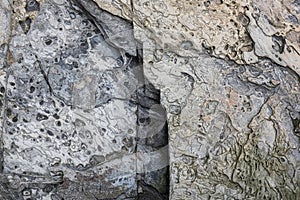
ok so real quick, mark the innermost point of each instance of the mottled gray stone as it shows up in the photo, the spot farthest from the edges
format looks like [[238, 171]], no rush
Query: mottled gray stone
[[73, 104], [99, 97]]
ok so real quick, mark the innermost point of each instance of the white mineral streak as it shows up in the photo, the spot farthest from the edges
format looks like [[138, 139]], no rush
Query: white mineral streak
[[265, 46]]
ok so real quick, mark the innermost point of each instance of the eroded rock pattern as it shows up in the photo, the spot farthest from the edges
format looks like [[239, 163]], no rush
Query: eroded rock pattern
[[232, 122], [239, 141], [98, 97], [75, 110]]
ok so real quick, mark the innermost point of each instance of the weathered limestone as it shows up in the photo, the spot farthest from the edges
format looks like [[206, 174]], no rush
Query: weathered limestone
[[98, 97], [76, 107], [232, 128]]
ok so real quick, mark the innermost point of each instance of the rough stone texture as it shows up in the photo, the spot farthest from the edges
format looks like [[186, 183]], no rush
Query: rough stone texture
[[233, 123], [232, 135], [75, 102], [99, 97]]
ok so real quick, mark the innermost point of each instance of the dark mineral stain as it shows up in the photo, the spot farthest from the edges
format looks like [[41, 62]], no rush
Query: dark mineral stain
[[40, 117], [50, 133], [32, 5]]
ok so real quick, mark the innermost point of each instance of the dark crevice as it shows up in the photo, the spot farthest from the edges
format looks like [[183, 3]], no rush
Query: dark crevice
[[147, 97], [144, 97]]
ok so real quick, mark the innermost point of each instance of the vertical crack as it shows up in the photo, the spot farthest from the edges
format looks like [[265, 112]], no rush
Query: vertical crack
[[3, 113], [152, 139], [7, 61], [45, 76]]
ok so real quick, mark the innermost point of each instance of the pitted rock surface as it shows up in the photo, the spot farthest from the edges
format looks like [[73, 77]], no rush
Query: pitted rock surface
[[119, 99], [73, 108]]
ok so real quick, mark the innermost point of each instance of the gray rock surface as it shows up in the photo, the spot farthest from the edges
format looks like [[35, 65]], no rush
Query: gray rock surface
[[76, 109], [104, 99]]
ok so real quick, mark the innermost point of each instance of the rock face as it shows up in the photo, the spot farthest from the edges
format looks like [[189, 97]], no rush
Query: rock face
[[78, 114], [149, 99]]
